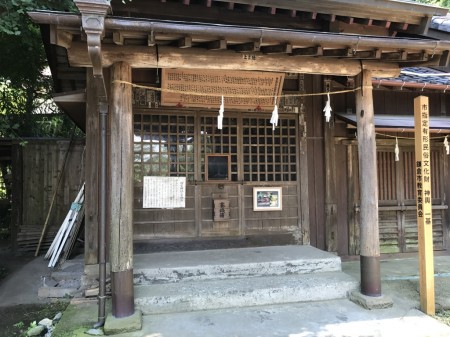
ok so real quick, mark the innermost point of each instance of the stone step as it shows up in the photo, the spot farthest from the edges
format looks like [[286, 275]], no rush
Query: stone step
[[170, 267], [242, 292]]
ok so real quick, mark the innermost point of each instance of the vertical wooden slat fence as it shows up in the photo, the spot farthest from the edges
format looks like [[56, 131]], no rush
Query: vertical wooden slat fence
[[39, 163]]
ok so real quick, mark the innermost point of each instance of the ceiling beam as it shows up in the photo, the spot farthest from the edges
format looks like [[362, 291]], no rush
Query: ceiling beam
[[195, 58]]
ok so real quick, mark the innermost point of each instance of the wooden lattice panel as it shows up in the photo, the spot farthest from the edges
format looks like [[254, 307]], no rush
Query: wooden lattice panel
[[245, 90]]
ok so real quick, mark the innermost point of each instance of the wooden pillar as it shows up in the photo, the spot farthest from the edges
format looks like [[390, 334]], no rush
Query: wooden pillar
[[369, 233], [91, 173], [352, 199], [121, 196], [302, 164], [330, 188]]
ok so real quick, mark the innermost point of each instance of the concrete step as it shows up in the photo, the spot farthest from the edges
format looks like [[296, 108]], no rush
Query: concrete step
[[170, 267], [242, 292]]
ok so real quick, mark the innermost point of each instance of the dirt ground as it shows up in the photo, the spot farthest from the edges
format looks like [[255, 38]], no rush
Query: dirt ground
[[16, 319]]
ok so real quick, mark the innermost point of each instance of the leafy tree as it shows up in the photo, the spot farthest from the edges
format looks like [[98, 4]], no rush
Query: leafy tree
[[26, 108], [440, 3]]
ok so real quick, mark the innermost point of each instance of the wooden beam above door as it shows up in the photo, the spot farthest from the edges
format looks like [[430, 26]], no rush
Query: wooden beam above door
[[172, 57]]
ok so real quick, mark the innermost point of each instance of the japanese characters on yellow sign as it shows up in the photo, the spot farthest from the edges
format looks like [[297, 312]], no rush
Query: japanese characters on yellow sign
[[424, 215], [423, 168]]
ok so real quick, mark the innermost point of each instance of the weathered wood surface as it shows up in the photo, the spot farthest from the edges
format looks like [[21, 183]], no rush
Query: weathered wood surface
[[369, 243], [121, 164], [302, 166], [40, 164], [92, 173], [171, 57], [316, 176], [331, 211], [353, 200]]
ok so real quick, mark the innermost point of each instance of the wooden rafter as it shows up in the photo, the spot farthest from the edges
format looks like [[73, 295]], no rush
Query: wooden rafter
[[185, 42], [284, 48], [309, 51], [246, 47], [217, 45]]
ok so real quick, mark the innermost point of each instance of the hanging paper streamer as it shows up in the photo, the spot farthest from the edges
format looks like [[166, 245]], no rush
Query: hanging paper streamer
[[327, 108], [447, 148], [274, 119], [220, 117], [397, 151]]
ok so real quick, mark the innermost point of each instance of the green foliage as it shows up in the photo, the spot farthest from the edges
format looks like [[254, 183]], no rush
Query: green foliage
[[13, 13], [440, 3], [26, 108], [19, 325], [443, 316]]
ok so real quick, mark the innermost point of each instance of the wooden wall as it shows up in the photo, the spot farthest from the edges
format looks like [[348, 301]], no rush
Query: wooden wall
[[36, 169], [246, 135], [397, 222]]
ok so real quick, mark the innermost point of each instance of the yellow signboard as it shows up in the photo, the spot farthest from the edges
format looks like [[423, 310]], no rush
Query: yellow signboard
[[424, 215]]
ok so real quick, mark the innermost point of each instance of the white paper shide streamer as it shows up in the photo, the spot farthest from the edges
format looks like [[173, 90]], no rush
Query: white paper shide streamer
[[327, 108], [396, 150], [220, 116], [274, 119], [447, 148]]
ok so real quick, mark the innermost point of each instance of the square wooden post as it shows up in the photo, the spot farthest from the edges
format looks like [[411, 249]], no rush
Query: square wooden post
[[424, 213]]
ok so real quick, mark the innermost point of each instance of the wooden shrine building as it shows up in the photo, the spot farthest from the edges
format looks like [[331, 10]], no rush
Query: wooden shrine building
[[205, 119]]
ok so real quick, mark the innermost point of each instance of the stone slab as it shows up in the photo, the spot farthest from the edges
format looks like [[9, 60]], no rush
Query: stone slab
[[231, 263], [56, 292], [370, 302], [244, 292], [114, 326]]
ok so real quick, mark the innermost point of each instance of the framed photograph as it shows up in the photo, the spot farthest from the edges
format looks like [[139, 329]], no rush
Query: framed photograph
[[218, 167], [267, 198]]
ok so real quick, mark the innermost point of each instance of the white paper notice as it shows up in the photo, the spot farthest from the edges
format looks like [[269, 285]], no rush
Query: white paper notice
[[164, 192]]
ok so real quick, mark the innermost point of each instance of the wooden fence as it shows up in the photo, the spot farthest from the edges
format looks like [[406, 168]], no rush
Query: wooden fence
[[43, 171]]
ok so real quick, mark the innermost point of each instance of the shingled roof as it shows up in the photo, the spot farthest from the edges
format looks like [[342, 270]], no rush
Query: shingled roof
[[418, 78], [441, 23]]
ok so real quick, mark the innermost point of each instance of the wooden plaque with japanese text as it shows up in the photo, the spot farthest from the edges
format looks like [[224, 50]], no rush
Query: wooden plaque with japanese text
[[245, 90]]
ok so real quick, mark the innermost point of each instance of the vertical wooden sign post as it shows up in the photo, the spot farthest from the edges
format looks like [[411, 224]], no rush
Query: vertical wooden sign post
[[424, 217]]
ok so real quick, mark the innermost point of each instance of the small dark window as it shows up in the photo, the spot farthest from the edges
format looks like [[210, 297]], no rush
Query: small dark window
[[218, 167]]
